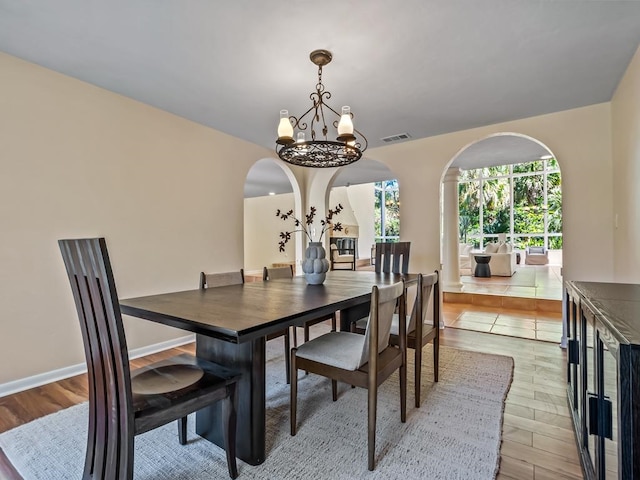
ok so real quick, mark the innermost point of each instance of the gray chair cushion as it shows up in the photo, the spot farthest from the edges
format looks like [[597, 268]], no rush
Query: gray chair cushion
[[338, 349]]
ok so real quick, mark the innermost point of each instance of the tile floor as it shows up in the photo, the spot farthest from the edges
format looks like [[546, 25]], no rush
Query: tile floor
[[535, 325], [529, 281]]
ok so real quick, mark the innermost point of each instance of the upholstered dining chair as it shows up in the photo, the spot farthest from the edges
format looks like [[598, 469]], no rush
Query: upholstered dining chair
[[392, 257], [213, 280], [364, 361], [273, 273], [123, 402], [420, 331]]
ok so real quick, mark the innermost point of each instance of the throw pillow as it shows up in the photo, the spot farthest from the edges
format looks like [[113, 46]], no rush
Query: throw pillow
[[502, 248], [537, 250], [491, 248]]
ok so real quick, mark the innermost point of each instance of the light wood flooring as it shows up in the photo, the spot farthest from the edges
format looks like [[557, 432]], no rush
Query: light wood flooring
[[538, 441]]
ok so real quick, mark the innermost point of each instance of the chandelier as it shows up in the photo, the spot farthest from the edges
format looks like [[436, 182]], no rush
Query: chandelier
[[319, 151]]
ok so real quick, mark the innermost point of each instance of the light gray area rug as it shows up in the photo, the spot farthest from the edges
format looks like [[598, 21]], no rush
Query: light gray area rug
[[455, 434]]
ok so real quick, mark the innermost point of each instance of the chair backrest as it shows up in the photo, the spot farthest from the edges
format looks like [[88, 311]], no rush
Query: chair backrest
[[383, 304], [389, 252], [420, 308], [211, 280], [94, 291], [273, 273]]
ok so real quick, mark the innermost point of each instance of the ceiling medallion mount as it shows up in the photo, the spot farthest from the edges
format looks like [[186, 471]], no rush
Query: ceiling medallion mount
[[319, 152]]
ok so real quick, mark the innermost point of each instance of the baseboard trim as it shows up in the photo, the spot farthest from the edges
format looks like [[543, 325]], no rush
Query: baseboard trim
[[33, 381]]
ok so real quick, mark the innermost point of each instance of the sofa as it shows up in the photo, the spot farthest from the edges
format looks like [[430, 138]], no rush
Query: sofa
[[503, 259]]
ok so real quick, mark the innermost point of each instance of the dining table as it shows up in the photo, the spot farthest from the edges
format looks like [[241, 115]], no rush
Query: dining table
[[231, 324]]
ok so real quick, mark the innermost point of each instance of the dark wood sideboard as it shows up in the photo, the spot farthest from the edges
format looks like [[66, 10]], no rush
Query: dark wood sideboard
[[603, 375]]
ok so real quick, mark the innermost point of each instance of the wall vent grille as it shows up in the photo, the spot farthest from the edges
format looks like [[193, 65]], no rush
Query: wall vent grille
[[396, 138]]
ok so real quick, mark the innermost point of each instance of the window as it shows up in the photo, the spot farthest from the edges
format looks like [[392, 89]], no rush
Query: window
[[523, 201], [387, 208]]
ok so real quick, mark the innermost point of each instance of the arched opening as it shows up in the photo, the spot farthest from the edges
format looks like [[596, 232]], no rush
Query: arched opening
[[502, 208], [270, 186], [369, 193]]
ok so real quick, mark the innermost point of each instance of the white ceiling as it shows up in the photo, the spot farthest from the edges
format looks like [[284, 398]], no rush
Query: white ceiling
[[424, 67]]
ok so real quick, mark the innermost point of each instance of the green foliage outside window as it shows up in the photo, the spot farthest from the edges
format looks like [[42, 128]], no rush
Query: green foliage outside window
[[485, 200], [388, 193]]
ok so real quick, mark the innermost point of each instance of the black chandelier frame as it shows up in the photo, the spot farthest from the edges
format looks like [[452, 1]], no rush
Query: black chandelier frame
[[320, 152]]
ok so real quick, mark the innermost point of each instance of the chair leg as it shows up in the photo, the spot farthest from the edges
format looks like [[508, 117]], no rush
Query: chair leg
[[436, 359], [295, 336], [182, 430], [293, 401], [403, 392], [418, 372], [229, 408], [287, 350], [372, 406]]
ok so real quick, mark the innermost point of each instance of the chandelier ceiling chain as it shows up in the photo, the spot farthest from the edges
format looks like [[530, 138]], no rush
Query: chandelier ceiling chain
[[319, 152]]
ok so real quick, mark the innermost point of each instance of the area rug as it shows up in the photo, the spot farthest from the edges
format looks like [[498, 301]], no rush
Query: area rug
[[455, 434]]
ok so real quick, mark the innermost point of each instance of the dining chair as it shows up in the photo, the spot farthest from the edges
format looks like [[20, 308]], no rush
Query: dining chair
[[212, 280], [392, 257], [272, 273], [420, 331], [123, 402], [364, 361]]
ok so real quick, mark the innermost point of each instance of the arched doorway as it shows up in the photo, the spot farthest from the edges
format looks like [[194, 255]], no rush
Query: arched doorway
[[270, 186], [503, 191]]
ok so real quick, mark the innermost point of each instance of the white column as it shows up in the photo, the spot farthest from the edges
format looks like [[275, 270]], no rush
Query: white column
[[451, 228]]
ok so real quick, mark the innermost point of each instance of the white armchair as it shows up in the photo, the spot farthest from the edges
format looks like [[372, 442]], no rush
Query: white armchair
[[463, 251], [536, 256]]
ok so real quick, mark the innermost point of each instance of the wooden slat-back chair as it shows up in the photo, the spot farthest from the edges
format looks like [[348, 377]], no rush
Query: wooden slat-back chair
[[392, 257], [364, 361], [428, 290], [272, 273], [125, 403]]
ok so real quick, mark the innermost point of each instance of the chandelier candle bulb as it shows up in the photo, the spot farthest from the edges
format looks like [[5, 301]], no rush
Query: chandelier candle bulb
[[345, 126], [285, 129]]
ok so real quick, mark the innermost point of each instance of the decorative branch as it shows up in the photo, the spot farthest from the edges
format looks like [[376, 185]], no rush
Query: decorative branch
[[305, 227]]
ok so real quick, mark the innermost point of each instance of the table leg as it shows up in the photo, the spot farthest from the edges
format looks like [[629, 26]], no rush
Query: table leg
[[353, 314], [249, 359]]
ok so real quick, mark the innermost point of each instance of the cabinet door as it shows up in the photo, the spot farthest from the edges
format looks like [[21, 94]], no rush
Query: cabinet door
[[573, 352], [610, 404], [590, 402]]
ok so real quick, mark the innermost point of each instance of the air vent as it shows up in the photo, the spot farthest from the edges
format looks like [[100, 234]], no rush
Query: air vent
[[396, 138]]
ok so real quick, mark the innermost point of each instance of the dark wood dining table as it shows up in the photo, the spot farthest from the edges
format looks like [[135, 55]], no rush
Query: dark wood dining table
[[231, 324]]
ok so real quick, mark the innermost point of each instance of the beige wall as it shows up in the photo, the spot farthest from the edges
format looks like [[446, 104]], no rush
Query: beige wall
[[625, 114], [262, 231], [581, 141], [79, 161]]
